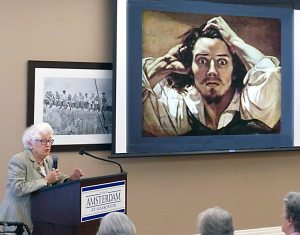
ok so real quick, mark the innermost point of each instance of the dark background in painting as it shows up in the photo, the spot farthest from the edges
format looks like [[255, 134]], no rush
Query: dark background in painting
[[161, 31]]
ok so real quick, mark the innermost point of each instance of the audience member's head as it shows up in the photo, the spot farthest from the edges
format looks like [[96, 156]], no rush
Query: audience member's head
[[215, 221], [116, 223], [290, 219]]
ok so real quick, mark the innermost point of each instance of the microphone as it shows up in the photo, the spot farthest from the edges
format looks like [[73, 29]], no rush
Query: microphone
[[82, 151], [54, 162]]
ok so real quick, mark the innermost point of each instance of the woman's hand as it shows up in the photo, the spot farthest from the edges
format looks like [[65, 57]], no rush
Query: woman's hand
[[53, 176], [76, 174]]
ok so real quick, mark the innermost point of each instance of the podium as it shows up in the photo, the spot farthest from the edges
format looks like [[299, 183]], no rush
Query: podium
[[76, 207]]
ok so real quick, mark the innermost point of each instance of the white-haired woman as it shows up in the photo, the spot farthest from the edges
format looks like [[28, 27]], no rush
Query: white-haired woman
[[29, 171], [290, 218], [116, 223], [215, 221]]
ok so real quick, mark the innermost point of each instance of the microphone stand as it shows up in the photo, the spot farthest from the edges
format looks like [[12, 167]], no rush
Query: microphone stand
[[82, 151]]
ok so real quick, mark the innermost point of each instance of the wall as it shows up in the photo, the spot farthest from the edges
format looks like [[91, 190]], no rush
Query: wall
[[165, 194]]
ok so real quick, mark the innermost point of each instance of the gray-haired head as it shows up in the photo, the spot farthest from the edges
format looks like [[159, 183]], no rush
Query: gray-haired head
[[215, 221], [34, 132], [116, 223], [292, 209]]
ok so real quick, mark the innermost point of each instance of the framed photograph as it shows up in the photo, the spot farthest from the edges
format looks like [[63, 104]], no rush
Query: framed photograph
[[75, 98], [199, 77]]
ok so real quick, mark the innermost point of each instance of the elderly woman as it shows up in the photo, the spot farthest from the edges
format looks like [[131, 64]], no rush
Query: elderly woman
[[29, 171], [290, 218], [215, 221], [116, 223]]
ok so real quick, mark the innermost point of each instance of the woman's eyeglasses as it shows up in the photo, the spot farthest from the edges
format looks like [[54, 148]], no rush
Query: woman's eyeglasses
[[44, 141]]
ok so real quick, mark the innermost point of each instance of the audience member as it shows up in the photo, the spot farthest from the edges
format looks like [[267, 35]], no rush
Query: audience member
[[290, 218], [116, 223], [215, 221]]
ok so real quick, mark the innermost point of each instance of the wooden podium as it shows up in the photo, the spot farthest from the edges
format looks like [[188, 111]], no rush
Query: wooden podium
[[76, 207]]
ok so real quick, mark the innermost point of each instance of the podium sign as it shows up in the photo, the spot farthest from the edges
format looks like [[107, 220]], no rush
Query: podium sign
[[99, 200]]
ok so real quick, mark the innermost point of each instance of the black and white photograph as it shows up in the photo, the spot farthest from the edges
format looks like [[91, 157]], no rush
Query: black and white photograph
[[75, 99]]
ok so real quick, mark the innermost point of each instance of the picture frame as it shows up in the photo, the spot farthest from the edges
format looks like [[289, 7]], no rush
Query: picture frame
[[128, 139], [75, 98]]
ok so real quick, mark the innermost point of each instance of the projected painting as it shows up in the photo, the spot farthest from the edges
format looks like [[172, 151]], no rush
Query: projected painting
[[202, 78], [212, 78]]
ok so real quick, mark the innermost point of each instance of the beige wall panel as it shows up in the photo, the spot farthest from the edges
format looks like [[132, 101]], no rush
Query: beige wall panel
[[165, 194]]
